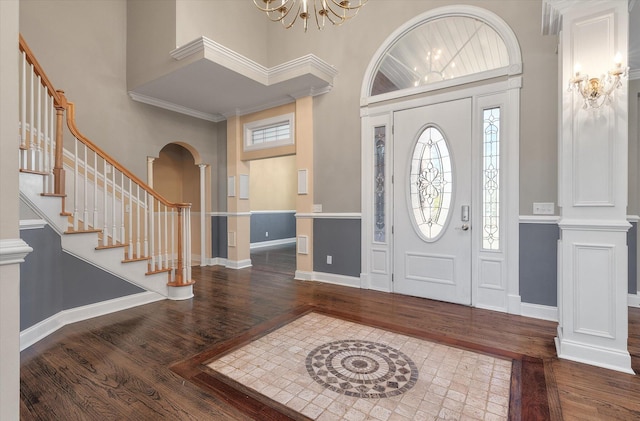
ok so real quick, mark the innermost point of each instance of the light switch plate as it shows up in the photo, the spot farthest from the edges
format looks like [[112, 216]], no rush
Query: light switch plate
[[540, 208]]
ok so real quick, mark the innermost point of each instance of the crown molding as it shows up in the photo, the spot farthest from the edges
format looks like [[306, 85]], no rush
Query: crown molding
[[216, 118], [206, 48]]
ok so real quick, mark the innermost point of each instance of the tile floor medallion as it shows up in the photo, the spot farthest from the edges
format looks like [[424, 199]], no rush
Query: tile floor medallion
[[330, 369]]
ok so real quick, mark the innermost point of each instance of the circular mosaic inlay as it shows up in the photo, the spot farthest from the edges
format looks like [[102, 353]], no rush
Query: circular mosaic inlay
[[362, 369]]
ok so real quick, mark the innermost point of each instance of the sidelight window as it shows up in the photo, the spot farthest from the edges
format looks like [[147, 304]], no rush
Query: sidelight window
[[491, 180]]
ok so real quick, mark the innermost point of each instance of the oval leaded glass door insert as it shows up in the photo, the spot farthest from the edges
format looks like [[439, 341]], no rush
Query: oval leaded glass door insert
[[431, 182]]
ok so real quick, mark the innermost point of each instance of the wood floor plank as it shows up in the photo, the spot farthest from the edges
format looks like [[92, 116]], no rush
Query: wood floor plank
[[118, 366]]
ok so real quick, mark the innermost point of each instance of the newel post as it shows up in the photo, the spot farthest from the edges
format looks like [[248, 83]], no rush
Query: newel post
[[58, 168]]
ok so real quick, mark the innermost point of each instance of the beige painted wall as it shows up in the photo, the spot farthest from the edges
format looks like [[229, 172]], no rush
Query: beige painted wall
[[88, 61], [273, 183], [235, 24], [151, 35]]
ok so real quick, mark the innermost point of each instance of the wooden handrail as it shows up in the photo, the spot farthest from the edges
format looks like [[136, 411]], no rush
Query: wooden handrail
[[31, 59], [74, 130]]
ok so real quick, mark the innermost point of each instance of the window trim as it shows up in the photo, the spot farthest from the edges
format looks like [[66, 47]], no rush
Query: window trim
[[266, 123]]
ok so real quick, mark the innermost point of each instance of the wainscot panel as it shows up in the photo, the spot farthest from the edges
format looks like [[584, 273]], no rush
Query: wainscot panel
[[52, 281], [219, 236], [538, 263], [272, 225], [340, 239]]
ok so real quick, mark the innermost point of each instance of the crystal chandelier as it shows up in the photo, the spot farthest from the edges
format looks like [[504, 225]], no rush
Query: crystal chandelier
[[287, 12], [597, 91]]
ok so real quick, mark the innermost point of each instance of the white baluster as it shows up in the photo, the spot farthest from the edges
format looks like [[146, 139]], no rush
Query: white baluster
[[166, 237], [187, 242], [23, 113], [85, 212], [174, 256], [113, 205], [32, 122], [130, 252], [151, 211], [75, 184], [158, 230], [105, 227], [45, 152], [52, 144], [146, 230], [38, 152], [123, 239], [138, 204], [95, 190]]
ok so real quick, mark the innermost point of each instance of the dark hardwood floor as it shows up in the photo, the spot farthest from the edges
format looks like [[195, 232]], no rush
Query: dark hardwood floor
[[117, 367]]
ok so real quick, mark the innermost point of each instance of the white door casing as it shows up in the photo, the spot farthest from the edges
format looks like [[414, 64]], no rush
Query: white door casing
[[434, 265], [494, 273]]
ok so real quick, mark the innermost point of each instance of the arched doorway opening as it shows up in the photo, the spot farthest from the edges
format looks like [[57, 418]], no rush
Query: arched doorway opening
[[179, 175]]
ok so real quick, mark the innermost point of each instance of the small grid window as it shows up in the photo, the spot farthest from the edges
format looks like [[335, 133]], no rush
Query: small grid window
[[276, 133], [269, 133]]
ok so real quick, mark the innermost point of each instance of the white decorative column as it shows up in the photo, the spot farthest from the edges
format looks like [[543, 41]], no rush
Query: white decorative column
[[593, 177], [150, 160], [12, 248], [203, 211]]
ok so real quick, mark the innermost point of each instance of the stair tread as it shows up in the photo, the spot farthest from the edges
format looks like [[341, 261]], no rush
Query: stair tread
[[33, 172], [153, 272], [82, 231], [136, 259], [53, 195], [110, 246]]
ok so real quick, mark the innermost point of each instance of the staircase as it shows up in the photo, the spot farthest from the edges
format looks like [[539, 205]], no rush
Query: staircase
[[104, 213]]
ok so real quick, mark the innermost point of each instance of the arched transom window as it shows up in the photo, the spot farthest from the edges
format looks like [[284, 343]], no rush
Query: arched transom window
[[440, 49]]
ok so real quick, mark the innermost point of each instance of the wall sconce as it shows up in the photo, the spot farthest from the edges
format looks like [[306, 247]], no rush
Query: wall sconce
[[597, 91]]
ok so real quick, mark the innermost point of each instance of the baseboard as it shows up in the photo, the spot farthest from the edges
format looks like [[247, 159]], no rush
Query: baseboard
[[272, 243], [329, 278], [46, 327], [538, 311], [612, 359], [238, 264], [216, 261], [634, 300]]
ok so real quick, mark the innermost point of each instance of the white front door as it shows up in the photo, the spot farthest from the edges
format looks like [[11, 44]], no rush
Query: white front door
[[432, 201]]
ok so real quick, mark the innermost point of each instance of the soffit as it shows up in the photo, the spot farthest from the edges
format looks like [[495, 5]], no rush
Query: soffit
[[216, 82]]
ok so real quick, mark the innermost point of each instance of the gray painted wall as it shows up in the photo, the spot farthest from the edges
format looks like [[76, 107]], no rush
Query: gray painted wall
[[340, 239], [538, 263], [52, 281], [279, 226], [219, 236]]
